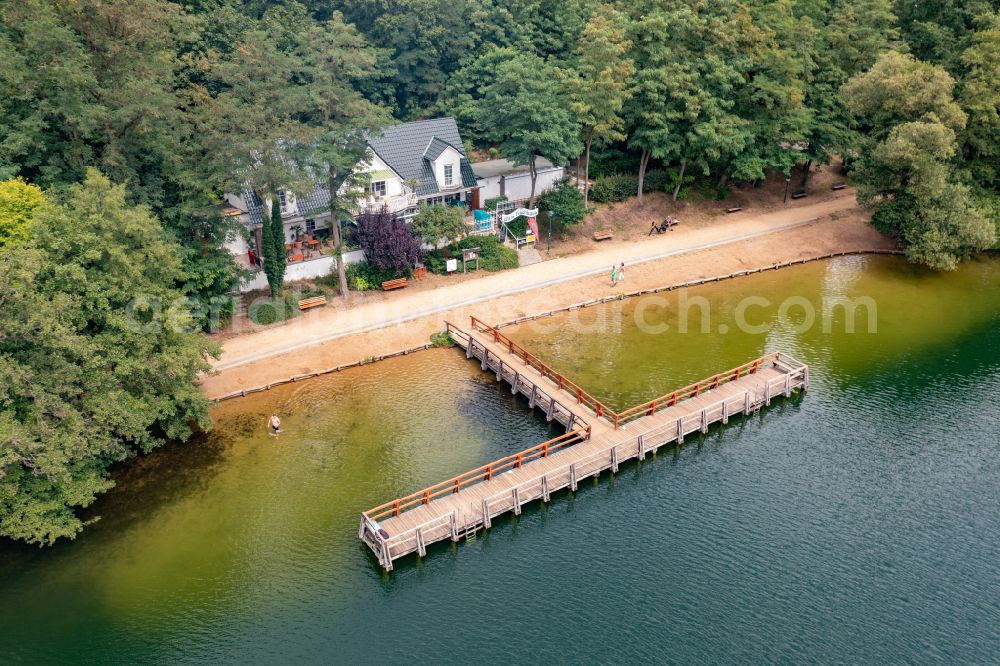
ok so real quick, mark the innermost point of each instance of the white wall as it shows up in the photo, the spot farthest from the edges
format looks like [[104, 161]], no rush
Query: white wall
[[518, 185], [302, 270], [393, 186], [454, 158]]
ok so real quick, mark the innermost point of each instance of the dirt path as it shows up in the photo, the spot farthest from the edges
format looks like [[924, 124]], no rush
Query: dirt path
[[339, 334]]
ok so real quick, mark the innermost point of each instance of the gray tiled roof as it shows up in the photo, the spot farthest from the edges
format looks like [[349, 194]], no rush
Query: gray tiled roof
[[407, 148], [435, 148]]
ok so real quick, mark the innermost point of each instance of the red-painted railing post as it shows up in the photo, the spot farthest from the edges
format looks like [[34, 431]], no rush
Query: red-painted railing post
[[489, 472], [517, 461], [427, 498], [458, 485], [395, 508]]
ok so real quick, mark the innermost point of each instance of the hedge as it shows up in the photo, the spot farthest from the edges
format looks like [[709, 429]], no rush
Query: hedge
[[622, 186]]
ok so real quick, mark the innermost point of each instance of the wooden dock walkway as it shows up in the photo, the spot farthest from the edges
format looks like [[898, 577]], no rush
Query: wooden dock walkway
[[597, 438]]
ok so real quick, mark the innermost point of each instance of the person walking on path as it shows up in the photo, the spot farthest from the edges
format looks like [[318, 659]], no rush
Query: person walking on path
[[621, 272], [614, 275]]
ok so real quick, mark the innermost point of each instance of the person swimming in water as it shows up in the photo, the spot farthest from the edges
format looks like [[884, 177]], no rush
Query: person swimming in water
[[274, 423]]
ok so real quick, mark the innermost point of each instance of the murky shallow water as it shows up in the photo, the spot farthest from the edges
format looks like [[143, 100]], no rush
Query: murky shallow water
[[859, 522]]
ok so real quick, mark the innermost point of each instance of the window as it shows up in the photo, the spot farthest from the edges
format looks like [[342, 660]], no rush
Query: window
[[378, 188], [449, 174], [287, 202], [310, 225]]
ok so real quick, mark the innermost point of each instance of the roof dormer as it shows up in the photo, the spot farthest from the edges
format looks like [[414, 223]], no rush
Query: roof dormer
[[446, 163]]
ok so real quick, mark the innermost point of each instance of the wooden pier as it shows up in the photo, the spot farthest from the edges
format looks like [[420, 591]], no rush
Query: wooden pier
[[597, 439]]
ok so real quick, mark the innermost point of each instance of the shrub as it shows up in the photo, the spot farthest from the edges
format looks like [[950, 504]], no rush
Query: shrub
[[565, 201], [615, 187], [518, 227], [364, 276], [655, 180], [266, 311], [432, 223], [491, 203], [493, 255], [388, 242]]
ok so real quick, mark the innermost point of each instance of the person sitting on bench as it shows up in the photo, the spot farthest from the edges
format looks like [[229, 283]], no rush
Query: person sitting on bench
[[667, 224]]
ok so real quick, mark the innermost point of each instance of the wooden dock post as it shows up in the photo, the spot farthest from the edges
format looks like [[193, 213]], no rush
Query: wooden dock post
[[517, 501], [421, 549], [725, 412], [386, 557], [454, 525], [486, 356], [746, 404], [534, 392], [572, 476], [680, 430], [614, 460], [570, 422], [545, 489], [486, 513], [704, 421], [805, 379], [767, 394], [551, 410], [642, 449], [468, 349], [788, 385], [513, 384], [361, 532]]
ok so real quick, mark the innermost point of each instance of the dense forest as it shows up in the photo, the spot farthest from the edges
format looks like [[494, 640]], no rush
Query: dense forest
[[122, 123]]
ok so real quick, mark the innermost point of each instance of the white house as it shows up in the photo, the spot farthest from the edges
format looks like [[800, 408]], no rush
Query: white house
[[503, 178], [408, 164]]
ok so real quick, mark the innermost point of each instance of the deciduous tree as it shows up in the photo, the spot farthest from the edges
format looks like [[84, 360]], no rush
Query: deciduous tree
[[524, 109], [96, 359], [599, 79]]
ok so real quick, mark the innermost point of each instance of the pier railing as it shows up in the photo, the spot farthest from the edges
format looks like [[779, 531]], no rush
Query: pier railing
[[694, 390], [645, 409], [582, 397], [484, 473]]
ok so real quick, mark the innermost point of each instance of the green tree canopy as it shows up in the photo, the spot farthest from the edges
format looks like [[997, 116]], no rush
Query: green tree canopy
[[96, 361], [18, 201], [599, 80], [524, 109], [436, 223], [907, 173]]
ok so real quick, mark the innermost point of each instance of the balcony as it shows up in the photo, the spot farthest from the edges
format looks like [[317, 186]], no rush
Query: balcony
[[395, 204]]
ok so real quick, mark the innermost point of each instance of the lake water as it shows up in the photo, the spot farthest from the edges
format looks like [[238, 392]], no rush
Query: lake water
[[859, 522]]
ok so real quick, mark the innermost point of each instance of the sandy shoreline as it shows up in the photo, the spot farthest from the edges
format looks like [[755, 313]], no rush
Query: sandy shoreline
[[339, 335]]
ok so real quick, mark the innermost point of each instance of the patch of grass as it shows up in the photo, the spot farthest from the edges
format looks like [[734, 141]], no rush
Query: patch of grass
[[442, 339]]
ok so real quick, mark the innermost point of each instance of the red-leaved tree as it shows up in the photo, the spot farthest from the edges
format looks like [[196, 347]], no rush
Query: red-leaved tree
[[388, 242]]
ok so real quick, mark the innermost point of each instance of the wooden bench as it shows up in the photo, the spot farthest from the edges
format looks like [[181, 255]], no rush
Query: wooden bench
[[799, 194], [734, 209], [838, 186], [314, 302], [398, 283], [603, 234]]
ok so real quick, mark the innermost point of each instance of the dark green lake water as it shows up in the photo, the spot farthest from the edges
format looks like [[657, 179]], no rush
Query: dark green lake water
[[857, 523]]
